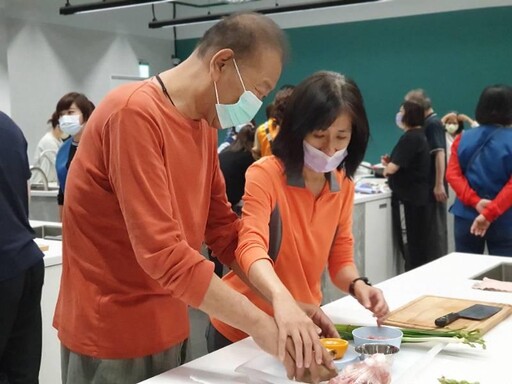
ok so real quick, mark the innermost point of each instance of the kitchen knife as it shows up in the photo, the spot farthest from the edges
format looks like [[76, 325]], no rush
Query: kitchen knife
[[475, 312]]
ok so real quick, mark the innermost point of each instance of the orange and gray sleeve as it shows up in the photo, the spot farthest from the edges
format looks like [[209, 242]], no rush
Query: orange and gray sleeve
[[342, 250], [139, 179], [253, 241]]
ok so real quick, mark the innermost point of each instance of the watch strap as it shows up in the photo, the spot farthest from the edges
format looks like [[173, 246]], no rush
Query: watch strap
[[352, 284]]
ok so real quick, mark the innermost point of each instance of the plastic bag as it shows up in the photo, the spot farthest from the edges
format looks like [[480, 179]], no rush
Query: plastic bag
[[373, 370]]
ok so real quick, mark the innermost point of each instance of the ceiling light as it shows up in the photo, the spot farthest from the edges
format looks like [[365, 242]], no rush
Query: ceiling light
[[69, 9], [267, 11]]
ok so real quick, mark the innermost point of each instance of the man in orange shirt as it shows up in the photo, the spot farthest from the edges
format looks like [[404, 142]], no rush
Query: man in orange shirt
[[143, 192]]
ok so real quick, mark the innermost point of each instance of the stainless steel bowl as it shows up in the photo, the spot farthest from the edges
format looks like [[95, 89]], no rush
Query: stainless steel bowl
[[367, 350]]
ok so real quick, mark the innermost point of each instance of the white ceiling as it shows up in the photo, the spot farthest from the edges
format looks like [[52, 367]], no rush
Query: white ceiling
[[135, 20]]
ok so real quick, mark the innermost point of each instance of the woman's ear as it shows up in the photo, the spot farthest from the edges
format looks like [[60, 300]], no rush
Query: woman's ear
[[218, 62]]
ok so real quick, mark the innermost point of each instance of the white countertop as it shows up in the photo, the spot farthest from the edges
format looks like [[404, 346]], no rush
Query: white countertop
[[54, 254], [448, 276], [53, 191], [380, 184]]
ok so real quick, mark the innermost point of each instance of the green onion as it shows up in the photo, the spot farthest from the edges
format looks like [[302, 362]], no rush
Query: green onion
[[471, 338], [444, 380]]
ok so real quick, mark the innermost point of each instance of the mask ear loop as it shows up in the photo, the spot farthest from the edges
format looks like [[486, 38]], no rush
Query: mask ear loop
[[216, 92], [239, 76]]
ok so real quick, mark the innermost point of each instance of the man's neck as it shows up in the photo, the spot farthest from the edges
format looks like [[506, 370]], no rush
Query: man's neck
[[187, 94]]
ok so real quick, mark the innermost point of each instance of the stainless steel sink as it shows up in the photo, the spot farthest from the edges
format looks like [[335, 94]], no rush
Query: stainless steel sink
[[502, 272], [49, 232]]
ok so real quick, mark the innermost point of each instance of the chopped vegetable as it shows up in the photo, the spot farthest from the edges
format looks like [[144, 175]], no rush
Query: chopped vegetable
[[444, 380], [471, 338]]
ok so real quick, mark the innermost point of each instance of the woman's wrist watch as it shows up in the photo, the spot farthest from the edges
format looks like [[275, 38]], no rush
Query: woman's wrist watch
[[353, 283]]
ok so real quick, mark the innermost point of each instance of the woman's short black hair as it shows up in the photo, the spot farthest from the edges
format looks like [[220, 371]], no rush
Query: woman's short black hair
[[314, 105], [414, 114], [81, 101], [495, 105]]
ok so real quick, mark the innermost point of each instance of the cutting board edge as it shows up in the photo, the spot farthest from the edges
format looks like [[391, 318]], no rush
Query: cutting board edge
[[488, 323]]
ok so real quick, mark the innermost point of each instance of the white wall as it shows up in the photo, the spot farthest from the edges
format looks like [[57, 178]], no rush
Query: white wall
[[46, 61], [5, 99]]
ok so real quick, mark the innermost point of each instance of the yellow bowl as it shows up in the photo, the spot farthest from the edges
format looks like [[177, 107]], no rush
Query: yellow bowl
[[336, 347]]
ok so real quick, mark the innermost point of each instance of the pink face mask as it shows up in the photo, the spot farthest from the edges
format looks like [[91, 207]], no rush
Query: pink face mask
[[318, 161]]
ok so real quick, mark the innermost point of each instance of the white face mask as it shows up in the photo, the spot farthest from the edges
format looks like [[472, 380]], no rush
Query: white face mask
[[451, 128], [318, 161], [398, 120], [242, 112], [70, 124]]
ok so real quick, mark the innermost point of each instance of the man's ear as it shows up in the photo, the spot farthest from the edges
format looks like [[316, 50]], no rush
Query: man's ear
[[219, 61]]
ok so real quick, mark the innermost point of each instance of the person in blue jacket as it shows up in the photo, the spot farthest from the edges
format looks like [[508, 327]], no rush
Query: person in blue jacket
[[73, 111], [480, 171], [21, 264]]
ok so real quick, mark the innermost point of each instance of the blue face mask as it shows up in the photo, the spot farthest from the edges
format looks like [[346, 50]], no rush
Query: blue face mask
[[242, 112]]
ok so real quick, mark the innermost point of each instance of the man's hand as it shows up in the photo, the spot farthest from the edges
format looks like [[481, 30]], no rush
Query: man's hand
[[480, 226], [265, 334], [372, 299], [293, 322], [440, 193], [385, 159]]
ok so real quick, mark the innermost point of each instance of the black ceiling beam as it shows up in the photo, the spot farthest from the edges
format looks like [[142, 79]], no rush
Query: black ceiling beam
[[69, 9], [265, 11]]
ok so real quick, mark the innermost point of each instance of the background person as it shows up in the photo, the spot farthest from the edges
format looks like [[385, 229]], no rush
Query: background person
[[46, 152], [408, 171], [266, 132], [480, 172], [297, 213], [147, 174], [234, 161], [73, 111], [21, 264], [437, 230]]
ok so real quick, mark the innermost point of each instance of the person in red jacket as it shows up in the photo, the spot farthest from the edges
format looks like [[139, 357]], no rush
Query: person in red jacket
[[480, 173]]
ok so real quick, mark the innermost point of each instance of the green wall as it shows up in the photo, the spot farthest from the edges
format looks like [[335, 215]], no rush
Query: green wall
[[453, 56]]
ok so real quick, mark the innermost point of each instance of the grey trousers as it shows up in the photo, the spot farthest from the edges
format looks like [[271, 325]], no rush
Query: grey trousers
[[81, 369]]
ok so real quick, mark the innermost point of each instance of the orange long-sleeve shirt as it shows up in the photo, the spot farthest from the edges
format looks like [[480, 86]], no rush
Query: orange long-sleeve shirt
[[301, 233], [143, 192], [467, 195]]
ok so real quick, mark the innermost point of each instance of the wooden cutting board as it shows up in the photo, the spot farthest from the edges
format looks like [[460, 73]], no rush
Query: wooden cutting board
[[421, 313]]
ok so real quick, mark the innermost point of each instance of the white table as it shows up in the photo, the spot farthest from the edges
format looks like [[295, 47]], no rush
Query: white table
[[448, 276]]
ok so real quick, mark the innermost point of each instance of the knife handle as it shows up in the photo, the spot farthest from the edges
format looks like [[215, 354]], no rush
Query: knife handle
[[443, 321]]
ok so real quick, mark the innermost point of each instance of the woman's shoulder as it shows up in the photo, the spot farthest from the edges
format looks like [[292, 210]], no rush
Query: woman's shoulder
[[269, 166]]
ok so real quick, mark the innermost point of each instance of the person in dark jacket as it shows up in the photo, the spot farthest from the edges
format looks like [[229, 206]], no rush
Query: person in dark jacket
[[21, 264], [234, 161], [408, 172]]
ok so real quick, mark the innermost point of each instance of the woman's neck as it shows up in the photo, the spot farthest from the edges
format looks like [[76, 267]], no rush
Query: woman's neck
[[314, 181]]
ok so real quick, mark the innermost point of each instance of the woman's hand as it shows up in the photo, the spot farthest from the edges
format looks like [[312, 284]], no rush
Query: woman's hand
[[480, 226], [480, 206], [385, 159], [372, 299], [318, 316]]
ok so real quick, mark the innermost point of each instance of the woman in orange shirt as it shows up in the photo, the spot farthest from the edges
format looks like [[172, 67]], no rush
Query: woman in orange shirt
[[297, 217]]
